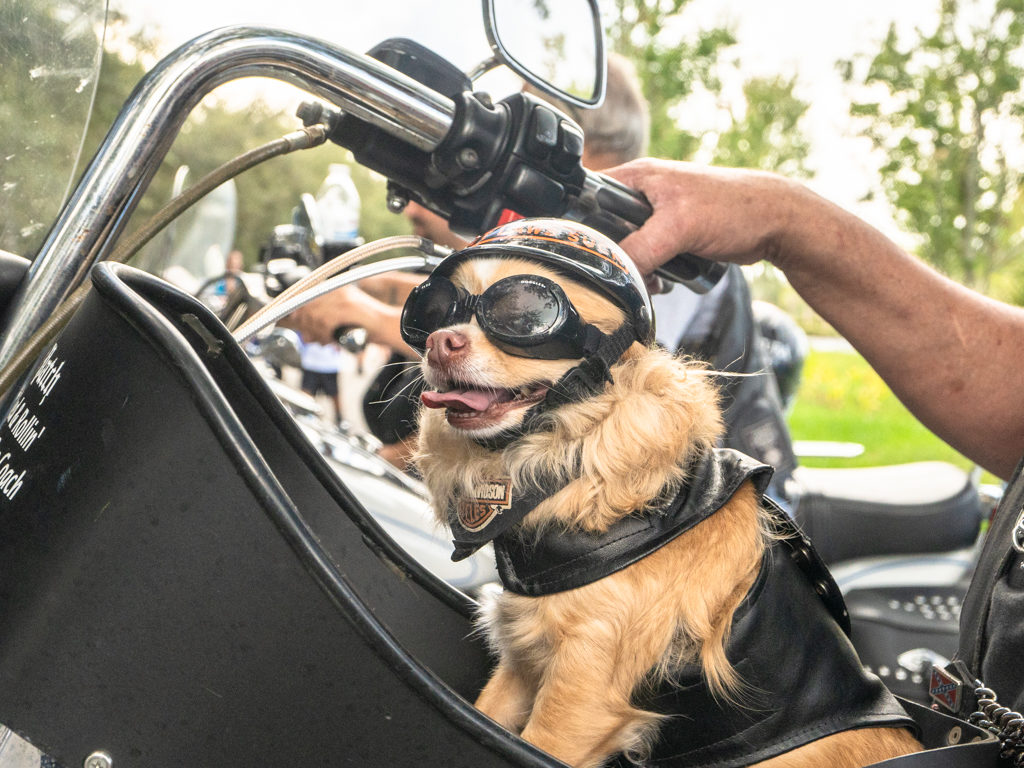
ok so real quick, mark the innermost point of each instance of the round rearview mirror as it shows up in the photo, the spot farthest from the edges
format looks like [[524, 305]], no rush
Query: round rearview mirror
[[557, 45]]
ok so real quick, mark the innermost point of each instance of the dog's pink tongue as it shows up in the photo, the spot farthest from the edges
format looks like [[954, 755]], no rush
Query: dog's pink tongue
[[461, 399]]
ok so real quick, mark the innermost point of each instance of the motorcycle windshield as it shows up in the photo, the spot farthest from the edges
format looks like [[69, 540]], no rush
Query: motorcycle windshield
[[50, 53], [194, 248]]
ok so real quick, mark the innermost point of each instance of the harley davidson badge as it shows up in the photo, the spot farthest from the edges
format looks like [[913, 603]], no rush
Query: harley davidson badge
[[488, 501]]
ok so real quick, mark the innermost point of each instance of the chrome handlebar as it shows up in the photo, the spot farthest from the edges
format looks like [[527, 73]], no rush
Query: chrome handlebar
[[126, 162]]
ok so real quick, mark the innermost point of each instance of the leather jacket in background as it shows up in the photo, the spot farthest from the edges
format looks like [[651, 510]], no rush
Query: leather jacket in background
[[724, 334], [992, 617]]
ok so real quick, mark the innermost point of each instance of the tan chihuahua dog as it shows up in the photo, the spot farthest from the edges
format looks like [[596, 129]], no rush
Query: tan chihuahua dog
[[655, 604]]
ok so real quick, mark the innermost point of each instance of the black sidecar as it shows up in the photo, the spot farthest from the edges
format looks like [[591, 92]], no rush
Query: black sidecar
[[184, 581]]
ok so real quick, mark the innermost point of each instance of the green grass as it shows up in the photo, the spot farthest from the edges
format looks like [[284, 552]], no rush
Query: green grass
[[842, 398]]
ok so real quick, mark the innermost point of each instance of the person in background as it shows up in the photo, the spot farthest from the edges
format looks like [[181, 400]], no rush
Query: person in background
[[321, 364], [234, 265], [235, 262]]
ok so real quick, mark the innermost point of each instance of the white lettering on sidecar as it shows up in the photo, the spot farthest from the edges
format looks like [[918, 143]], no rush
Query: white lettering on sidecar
[[24, 425], [48, 373], [10, 479]]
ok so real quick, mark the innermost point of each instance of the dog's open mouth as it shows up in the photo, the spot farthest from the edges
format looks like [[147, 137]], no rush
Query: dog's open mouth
[[471, 407]]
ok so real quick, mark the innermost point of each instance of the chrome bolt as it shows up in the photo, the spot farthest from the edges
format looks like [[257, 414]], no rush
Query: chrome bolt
[[468, 158], [396, 201], [99, 759]]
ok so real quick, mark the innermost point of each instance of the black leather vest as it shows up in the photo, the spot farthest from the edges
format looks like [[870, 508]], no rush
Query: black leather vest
[[569, 559], [802, 678], [788, 642]]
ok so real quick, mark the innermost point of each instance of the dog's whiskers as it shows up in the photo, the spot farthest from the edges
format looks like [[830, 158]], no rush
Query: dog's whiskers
[[409, 385], [405, 364]]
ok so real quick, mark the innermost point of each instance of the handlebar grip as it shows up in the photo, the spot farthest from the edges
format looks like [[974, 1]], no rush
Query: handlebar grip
[[617, 210], [697, 274]]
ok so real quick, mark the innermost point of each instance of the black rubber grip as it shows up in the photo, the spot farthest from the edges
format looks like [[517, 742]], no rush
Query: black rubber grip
[[618, 210]]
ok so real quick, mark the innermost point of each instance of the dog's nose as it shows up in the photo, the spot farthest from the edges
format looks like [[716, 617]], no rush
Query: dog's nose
[[444, 346]]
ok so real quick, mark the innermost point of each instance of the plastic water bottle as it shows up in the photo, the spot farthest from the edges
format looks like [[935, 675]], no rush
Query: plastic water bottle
[[338, 206]]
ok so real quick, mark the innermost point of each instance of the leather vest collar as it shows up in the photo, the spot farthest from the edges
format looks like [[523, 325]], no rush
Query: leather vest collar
[[493, 509], [561, 560]]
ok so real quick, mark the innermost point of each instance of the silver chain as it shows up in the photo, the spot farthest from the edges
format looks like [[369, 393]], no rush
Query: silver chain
[[1007, 725]]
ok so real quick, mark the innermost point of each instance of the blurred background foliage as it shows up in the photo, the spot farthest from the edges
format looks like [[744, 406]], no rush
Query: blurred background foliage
[[216, 132], [47, 52], [942, 110]]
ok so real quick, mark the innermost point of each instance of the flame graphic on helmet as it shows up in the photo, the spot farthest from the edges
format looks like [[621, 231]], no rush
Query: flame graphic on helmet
[[516, 231]]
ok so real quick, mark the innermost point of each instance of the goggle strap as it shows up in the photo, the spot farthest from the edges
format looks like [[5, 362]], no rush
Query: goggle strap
[[612, 347], [586, 379], [466, 306], [589, 377], [593, 338]]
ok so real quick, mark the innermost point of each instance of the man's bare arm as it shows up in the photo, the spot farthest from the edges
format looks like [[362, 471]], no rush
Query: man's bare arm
[[953, 356]]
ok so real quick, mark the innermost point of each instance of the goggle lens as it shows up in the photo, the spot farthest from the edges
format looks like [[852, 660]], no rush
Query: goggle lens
[[520, 308], [430, 306], [523, 315]]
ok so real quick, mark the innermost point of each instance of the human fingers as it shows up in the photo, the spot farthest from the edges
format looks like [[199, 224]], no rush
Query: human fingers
[[722, 214], [309, 326], [318, 319], [669, 231]]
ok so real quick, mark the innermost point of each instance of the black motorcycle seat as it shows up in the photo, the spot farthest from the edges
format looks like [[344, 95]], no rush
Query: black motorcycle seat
[[928, 506]]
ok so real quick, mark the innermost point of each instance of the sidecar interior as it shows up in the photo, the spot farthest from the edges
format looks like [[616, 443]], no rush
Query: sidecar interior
[[183, 581]]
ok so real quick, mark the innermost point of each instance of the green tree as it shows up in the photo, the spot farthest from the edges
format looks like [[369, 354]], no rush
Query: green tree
[[1008, 283], [942, 109], [213, 134], [669, 65], [766, 133], [268, 193], [763, 132]]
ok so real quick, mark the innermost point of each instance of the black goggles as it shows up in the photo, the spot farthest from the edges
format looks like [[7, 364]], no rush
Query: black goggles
[[523, 315]]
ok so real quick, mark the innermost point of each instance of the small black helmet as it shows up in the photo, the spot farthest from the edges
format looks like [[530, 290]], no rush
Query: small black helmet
[[574, 250]]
